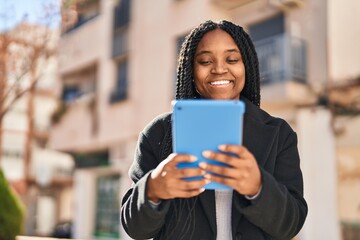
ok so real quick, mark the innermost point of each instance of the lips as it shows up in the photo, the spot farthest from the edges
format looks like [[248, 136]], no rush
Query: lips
[[220, 82]]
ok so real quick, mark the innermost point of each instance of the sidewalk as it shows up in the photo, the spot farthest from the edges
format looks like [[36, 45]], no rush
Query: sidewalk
[[36, 238]]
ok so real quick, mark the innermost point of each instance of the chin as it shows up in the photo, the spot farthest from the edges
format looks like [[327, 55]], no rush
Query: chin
[[220, 98]]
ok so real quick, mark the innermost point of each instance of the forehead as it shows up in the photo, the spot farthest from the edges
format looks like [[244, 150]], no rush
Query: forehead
[[216, 40]]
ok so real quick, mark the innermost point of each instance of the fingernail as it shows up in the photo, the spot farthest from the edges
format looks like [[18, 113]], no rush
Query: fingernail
[[202, 165], [222, 147], [202, 189], [193, 158], [206, 154], [203, 172], [207, 176], [207, 181]]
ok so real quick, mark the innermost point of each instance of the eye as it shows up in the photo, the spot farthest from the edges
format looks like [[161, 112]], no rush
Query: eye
[[232, 61], [204, 62]]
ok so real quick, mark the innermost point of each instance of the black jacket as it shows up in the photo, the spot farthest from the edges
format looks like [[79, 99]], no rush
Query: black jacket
[[278, 213]]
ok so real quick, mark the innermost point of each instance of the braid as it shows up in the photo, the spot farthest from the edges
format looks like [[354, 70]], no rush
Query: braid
[[185, 87]]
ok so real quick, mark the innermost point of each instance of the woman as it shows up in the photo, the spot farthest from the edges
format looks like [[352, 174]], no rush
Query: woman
[[218, 61]]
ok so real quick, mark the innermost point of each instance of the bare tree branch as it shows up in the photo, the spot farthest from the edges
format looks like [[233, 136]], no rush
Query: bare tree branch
[[39, 47], [18, 96]]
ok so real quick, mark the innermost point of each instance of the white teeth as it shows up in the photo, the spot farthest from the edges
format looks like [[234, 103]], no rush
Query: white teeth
[[220, 82]]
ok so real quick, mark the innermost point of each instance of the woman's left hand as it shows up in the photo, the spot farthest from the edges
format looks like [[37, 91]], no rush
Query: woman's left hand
[[244, 174]]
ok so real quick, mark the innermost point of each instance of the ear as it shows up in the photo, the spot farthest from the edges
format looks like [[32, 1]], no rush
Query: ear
[[196, 89]]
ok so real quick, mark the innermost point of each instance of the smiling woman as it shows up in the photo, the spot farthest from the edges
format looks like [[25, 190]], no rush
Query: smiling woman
[[217, 61]]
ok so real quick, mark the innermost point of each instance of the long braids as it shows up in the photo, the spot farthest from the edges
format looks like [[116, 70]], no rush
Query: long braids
[[185, 89]]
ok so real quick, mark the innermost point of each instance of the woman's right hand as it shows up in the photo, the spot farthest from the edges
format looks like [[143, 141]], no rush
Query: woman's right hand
[[166, 181]]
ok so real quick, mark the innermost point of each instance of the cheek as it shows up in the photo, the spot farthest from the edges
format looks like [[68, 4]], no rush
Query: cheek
[[199, 80], [240, 73], [199, 75]]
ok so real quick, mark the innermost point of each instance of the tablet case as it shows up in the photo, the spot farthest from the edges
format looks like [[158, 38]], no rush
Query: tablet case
[[200, 125]]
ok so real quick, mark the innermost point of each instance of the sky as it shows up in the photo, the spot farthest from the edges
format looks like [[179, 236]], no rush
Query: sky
[[14, 11]]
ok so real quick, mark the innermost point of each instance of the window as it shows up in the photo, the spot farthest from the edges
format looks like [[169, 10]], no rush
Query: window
[[122, 14], [120, 50], [95, 159], [269, 28], [70, 93], [12, 153], [79, 84], [107, 210], [121, 25], [120, 91]]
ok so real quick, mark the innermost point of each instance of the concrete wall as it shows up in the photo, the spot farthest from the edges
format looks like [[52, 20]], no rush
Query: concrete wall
[[343, 28]]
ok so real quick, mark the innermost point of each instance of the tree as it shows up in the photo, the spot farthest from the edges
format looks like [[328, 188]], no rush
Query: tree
[[24, 51], [12, 211]]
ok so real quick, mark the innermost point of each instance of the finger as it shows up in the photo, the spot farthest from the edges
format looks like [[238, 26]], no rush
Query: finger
[[174, 159], [241, 171], [189, 172], [239, 150], [177, 158], [189, 185], [221, 157], [223, 170]]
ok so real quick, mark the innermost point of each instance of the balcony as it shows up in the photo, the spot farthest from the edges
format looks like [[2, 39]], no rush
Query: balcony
[[80, 47], [283, 71], [281, 58]]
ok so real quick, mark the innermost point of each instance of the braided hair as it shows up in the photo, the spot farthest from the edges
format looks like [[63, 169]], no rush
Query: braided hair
[[185, 87]]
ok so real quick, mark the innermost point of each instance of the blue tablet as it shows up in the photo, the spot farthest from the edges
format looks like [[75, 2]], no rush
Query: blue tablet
[[199, 125]]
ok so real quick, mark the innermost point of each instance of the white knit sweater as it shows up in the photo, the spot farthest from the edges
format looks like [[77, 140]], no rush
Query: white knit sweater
[[223, 202]]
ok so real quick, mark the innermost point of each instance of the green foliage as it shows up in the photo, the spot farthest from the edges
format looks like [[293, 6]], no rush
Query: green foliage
[[11, 211], [67, 3]]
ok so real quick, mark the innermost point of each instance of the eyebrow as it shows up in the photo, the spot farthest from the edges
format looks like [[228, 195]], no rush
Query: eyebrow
[[208, 52]]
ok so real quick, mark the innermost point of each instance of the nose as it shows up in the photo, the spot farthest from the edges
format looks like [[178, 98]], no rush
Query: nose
[[219, 68]]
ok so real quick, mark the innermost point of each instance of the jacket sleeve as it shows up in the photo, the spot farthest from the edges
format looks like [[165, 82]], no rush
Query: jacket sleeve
[[280, 209], [139, 219]]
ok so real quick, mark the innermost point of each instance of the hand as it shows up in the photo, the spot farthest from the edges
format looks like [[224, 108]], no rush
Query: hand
[[166, 181], [244, 174]]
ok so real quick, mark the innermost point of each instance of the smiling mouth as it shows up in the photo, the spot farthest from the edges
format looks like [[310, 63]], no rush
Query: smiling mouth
[[220, 82]]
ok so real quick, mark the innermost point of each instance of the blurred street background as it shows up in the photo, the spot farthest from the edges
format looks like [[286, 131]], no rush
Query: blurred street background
[[79, 79]]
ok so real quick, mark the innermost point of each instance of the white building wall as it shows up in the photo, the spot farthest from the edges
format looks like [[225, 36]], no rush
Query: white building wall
[[318, 161], [84, 204], [343, 29]]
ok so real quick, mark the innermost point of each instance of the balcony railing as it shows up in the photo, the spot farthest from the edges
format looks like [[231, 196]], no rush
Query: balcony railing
[[281, 58], [81, 21], [120, 43]]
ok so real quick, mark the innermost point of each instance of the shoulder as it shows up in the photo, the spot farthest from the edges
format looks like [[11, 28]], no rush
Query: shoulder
[[158, 125], [255, 113]]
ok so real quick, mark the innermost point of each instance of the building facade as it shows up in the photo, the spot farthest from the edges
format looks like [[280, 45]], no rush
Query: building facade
[[117, 70]]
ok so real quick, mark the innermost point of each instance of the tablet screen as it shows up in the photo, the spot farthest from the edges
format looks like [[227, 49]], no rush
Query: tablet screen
[[200, 125]]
